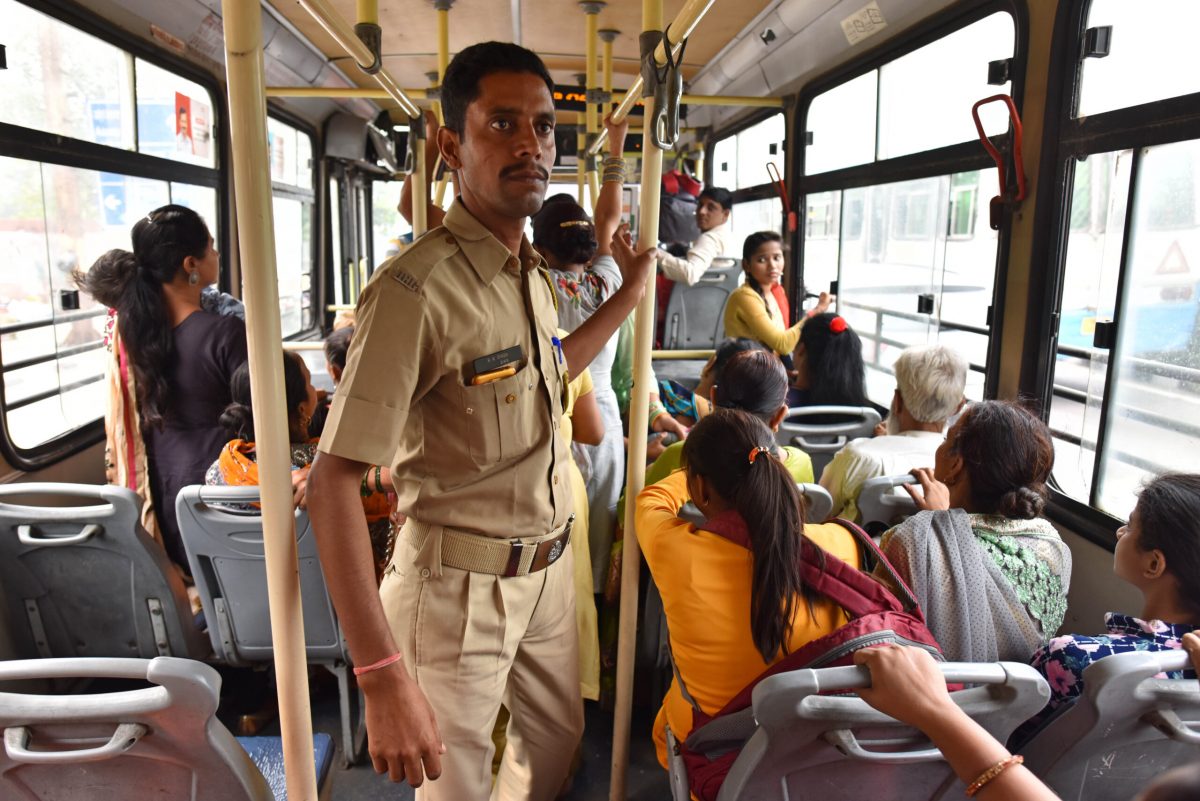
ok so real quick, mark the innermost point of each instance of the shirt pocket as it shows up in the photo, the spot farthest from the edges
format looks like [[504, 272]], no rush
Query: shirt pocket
[[501, 423]]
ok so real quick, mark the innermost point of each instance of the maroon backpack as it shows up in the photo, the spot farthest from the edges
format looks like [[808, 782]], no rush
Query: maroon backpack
[[876, 616]]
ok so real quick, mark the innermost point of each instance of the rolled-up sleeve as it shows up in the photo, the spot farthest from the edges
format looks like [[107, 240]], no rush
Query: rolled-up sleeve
[[699, 258], [388, 369]]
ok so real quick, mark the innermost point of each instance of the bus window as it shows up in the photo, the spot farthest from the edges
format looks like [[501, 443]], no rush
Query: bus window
[[61, 216], [823, 215], [842, 125], [290, 154], [740, 165], [1139, 68], [389, 230]]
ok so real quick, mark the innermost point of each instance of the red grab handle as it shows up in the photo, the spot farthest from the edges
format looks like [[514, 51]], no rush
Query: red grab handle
[[998, 157]]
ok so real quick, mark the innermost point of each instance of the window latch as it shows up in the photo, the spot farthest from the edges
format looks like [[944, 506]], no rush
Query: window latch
[[68, 299], [1097, 42], [925, 303], [1105, 335]]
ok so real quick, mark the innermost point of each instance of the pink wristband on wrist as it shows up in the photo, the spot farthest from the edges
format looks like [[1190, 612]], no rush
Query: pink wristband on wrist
[[382, 663]]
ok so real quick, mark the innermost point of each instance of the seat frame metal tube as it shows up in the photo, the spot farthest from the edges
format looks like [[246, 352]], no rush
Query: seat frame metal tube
[[260, 284]]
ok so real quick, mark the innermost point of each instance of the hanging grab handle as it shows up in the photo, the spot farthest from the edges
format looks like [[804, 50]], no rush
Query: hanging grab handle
[[998, 202], [781, 188]]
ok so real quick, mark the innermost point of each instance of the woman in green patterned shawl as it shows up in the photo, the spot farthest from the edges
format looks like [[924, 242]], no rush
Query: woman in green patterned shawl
[[990, 574]]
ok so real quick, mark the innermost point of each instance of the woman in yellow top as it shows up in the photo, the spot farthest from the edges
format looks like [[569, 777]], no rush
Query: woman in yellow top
[[734, 600], [752, 310]]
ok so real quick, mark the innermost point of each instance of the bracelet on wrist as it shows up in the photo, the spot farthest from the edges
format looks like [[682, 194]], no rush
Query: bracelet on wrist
[[379, 481], [991, 773], [380, 665]]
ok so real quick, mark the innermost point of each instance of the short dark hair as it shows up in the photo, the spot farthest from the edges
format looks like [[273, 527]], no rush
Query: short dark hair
[[720, 195], [460, 86], [1169, 511], [238, 417], [336, 345]]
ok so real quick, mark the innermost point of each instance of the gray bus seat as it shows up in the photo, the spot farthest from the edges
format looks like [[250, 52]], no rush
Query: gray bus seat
[[695, 316], [88, 581], [225, 552], [881, 506], [822, 440], [162, 741], [1124, 730], [805, 740]]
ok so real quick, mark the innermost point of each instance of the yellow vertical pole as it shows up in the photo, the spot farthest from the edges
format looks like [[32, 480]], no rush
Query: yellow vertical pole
[[608, 36], [591, 10], [368, 11], [643, 340], [260, 286], [581, 149], [443, 24], [420, 185]]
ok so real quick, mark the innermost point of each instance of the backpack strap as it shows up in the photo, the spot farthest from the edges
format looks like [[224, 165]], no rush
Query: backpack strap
[[867, 544]]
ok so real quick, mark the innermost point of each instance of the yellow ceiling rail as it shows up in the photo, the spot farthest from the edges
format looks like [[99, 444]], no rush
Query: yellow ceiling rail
[[341, 92], [722, 100], [329, 19]]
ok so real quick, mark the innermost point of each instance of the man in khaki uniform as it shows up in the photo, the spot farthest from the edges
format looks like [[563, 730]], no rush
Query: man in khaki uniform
[[456, 379]]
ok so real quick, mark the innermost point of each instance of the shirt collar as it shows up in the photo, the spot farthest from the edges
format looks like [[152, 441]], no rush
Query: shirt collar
[[483, 250]]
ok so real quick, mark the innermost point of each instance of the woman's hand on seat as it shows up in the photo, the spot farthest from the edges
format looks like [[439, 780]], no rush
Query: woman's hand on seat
[[905, 683], [664, 423], [934, 494], [1191, 644]]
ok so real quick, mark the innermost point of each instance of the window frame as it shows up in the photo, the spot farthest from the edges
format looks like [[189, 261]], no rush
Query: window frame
[[940, 161], [1069, 138], [41, 146], [316, 196]]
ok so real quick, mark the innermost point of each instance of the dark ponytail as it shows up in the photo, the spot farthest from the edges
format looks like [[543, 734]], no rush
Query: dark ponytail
[[563, 229], [734, 451], [1169, 521], [833, 355], [132, 284]]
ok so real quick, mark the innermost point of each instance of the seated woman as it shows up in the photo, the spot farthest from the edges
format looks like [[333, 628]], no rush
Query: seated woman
[[731, 590], [829, 365], [1159, 553], [989, 573], [689, 406], [752, 310], [237, 465], [751, 381]]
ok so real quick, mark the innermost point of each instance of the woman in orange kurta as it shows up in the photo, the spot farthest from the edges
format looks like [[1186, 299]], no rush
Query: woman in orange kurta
[[734, 601]]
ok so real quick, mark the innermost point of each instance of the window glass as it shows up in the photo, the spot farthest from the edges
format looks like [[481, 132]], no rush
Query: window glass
[[293, 260], [724, 167], [335, 240], [63, 81], [925, 96], [756, 146], [200, 199], [281, 145], [175, 117], [1145, 63], [752, 216], [821, 230], [389, 230], [1093, 264], [894, 254], [842, 124], [1153, 423]]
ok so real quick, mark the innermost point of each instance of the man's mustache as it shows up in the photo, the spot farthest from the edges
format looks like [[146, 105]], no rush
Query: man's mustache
[[541, 171]]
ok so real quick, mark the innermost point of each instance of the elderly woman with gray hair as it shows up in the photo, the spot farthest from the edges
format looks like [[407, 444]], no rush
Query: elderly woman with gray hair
[[990, 574]]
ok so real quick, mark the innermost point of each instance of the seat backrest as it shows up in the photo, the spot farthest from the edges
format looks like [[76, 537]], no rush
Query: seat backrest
[[1125, 729], [880, 505], [162, 741], [696, 314], [225, 552], [88, 580], [807, 740], [821, 440], [818, 503]]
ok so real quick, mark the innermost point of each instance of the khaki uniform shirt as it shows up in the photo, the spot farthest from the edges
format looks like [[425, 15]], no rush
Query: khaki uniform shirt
[[485, 459]]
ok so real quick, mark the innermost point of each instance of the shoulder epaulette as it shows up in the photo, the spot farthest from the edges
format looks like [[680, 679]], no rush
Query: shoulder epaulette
[[413, 267]]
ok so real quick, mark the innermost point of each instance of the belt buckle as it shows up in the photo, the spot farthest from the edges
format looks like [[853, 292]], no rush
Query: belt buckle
[[515, 549], [560, 542]]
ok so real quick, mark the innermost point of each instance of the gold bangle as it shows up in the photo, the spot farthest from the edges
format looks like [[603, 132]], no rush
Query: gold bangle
[[993, 772]]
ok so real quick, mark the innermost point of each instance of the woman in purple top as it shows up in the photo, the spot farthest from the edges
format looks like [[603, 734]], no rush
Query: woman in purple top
[[179, 357], [1159, 553]]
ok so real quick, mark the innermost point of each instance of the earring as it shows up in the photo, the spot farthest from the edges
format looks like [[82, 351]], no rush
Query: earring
[[193, 278]]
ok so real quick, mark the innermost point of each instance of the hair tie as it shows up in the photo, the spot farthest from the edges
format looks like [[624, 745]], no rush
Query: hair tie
[[569, 223], [756, 450], [837, 325]]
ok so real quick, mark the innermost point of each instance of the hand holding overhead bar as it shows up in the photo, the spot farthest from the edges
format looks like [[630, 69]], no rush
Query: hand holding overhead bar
[[997, 206], [684, 23]]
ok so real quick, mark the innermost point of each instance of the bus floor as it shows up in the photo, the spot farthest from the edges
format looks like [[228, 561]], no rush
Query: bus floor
[[646, 780]]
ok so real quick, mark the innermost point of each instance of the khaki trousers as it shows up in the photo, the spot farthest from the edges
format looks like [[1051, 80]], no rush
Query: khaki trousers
[[473, 641]]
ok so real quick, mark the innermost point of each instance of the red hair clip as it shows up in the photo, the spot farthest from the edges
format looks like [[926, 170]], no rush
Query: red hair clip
[[837, 325], [755, 451]]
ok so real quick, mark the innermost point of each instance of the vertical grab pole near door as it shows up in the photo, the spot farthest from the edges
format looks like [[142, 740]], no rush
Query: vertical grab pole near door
[[260, 285], [643, 341], [443, 24], [591, 10]]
